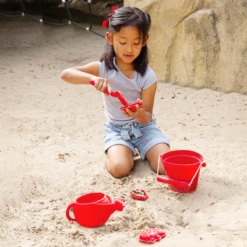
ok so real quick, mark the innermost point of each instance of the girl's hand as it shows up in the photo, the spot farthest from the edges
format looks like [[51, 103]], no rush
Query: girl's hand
[[101, 84], [135, 114]]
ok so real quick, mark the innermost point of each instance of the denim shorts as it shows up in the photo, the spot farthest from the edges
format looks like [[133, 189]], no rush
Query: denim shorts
[[133, 135]]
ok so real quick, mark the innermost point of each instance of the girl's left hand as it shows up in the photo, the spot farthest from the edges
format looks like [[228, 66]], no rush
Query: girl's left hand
[[135, 114]]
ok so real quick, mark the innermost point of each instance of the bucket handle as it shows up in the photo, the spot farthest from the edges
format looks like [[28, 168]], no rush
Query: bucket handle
[[198, 169], [177, 182]]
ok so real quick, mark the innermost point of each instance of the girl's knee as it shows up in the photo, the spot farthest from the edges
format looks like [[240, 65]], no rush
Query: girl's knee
[[119, 161], [153, 157], [119, 169]]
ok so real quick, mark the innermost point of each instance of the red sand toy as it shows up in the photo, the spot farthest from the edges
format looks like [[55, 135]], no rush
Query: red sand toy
[[93, 209], [182, 168], [126, 105], [151, 235], [139, 195]]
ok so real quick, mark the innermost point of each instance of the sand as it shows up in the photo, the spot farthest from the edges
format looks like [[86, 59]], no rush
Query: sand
[[51, 150]]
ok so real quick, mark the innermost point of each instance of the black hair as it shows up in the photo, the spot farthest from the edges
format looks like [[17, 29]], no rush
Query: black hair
[[122, 17]]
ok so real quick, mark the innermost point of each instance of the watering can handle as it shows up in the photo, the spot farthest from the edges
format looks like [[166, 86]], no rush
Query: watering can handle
[[70, 206], [172, 181]]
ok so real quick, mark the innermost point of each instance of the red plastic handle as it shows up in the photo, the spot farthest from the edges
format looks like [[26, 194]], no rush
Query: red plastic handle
[[93, 83], [71, 205], [172, 182], [116, 94]]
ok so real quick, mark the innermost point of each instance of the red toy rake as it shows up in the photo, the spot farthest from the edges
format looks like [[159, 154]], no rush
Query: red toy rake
[[117, 94]]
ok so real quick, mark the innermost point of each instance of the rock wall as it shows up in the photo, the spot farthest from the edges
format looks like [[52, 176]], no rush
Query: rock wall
[[98, 7], [198, 43]]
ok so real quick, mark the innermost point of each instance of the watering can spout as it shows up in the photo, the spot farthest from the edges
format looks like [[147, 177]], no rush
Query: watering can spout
[[117, 205], [108, 209]]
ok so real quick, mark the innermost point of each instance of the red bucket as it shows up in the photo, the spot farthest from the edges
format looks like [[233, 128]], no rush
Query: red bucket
[[182, 168]]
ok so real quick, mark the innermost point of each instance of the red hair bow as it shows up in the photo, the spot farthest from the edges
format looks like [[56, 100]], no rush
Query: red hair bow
[[105, 23]]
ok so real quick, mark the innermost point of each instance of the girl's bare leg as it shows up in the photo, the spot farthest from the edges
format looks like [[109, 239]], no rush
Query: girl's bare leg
[[119, 161], [153, 156]]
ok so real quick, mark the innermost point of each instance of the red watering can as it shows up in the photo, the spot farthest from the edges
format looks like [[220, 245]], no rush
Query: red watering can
[[93, 209]]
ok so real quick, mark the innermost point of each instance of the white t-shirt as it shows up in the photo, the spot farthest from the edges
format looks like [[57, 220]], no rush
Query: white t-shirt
[[130, 88]]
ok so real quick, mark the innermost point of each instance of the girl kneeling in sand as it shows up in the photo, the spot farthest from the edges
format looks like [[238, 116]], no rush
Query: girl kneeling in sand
[[123, 67]]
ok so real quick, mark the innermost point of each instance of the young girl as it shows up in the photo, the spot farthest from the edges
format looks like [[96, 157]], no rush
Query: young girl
[[123, 67]]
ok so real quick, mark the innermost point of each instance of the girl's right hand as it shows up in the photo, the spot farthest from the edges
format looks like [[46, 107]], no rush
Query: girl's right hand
[[101, 84]]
